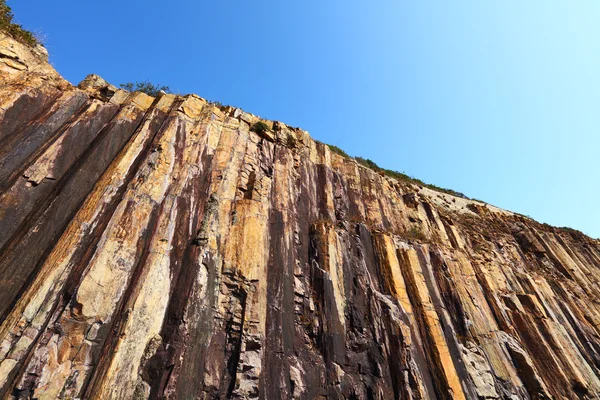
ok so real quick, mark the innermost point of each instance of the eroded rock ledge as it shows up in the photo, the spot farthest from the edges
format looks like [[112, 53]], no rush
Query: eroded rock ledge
[[157, 248]]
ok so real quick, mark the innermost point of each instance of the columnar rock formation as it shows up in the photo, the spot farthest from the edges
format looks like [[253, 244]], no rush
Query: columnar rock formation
[[158, 248]]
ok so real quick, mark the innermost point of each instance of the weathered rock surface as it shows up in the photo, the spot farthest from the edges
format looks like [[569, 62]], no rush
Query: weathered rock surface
[[157, 248]]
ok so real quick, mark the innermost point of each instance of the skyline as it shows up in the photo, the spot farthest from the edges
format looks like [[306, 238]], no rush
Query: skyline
[[495, 101]]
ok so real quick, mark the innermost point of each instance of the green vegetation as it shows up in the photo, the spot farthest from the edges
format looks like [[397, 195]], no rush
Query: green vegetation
[[416, 233], [393, 174], [217, 104], [447, 191], [337, 150], [333, 148], [575, 234], [15, 30], [260, 127], [147, 87], [367, 163]]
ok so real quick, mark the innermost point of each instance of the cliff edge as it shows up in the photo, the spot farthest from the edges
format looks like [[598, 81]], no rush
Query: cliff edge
[[159, 248]]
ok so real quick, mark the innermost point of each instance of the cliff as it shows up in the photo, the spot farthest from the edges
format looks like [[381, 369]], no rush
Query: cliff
[[158, 248]]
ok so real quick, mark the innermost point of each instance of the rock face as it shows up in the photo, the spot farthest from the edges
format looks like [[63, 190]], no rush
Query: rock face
[[157, 248]]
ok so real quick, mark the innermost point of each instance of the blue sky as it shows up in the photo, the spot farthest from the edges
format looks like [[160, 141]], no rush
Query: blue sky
[[496, 99]]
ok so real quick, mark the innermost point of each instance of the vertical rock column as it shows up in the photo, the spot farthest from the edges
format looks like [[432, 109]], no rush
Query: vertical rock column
[[69, 348], [446, 380]]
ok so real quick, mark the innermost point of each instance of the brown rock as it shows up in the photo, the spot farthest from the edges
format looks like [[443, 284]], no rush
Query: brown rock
[[158, 248]]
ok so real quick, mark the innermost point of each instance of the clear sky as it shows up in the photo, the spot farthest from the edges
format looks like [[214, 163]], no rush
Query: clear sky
[[499, 100]]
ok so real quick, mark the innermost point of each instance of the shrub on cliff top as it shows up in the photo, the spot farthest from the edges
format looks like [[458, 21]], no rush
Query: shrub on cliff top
[[147, 87], [337, 150], [367, 163], [332, 148], [15, 30], [259, 127], [394, 174]]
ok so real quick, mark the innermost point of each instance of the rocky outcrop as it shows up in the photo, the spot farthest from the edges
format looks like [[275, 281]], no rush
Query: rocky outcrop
[[158, 248]]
